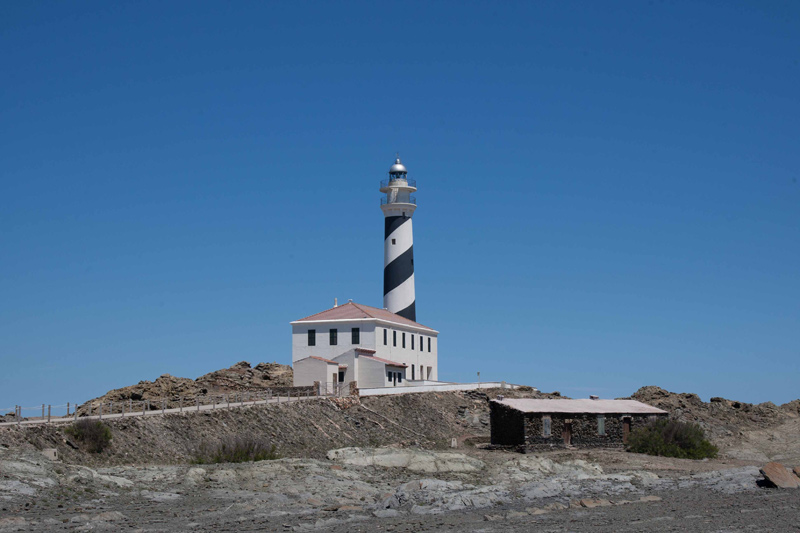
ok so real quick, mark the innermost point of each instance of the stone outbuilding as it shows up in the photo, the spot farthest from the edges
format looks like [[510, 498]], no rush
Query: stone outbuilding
[[536, 425]]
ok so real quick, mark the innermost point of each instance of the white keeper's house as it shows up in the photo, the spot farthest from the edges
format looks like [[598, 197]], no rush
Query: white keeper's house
[[354, 342], [371, 346]]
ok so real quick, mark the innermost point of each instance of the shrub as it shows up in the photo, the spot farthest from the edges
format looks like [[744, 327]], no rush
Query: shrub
[[236, 449], [95, 435], [670, 438]]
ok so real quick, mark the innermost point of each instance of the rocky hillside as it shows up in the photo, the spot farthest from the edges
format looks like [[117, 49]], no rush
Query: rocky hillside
[[301, 429], [430, 420], [241, 377], [741, 430]]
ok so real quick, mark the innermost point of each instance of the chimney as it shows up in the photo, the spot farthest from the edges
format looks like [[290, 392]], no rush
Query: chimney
[[336, 302], [594, 397], [350, 301]]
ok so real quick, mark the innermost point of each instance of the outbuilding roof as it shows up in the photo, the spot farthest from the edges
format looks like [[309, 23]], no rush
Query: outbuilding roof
[[385, 361], [329, 361], [353, 310], [531, 405]]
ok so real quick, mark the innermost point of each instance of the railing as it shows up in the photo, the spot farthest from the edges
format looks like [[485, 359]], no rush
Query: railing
[[409, 183], [411, 200], [336, 389]]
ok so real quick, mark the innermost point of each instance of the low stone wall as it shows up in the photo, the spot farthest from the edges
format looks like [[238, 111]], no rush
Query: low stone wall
[[584, 430]]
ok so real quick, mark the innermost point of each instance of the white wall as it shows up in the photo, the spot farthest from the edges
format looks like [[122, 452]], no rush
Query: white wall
[[372, 373], [407, 355], [323, 348], [307, 371], [351, 372], [382, 391]]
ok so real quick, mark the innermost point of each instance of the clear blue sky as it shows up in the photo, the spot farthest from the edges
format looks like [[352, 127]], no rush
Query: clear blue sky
[[608, 191]]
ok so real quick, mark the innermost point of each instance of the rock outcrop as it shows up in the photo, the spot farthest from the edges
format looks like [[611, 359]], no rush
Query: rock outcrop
[[239, 378], [756, 432]]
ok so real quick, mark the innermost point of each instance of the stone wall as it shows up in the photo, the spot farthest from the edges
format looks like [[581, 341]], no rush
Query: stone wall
[[508, 425], [584, 430]]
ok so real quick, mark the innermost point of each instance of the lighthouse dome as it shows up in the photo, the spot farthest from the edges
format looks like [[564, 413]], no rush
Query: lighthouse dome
[[397, 168]]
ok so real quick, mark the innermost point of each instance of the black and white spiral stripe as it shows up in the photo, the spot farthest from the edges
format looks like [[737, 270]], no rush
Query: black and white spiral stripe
[[398, 267]]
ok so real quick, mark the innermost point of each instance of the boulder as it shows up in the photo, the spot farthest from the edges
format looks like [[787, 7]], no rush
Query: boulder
[[778, 475], [591, 503]]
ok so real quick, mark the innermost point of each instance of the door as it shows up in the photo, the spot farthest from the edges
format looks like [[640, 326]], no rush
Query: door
[[626, 429], [566, 433]]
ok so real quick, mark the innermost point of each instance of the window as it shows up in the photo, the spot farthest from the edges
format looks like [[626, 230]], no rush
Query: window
[[546, 426], [601, 425], [312, 337], [394, 241], [412, 341], [385, 336], [429, 344], [412, 371], [341, 376], [334, 337], [355, 336], [404, 339], [399, 377], [420, 343], [394, 338]]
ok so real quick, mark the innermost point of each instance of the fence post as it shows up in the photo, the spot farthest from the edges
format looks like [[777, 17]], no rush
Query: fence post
[[19, 416], [123, 409], [48, 413], [42, 410], [162, 405], [101, 411], [76, 412], [180, 404], [67, 408], [215, 402]]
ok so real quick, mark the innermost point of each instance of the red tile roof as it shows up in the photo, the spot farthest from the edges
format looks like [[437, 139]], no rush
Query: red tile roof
[[323, 359], [390, 363], [365, 350], [327, 361], [352, 310]]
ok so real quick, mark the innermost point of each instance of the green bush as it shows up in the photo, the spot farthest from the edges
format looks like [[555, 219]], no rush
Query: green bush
[[670, 438], [95, 435], [236, 449]]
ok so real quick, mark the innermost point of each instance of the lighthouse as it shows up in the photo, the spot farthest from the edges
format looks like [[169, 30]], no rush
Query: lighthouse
[[398, 246]]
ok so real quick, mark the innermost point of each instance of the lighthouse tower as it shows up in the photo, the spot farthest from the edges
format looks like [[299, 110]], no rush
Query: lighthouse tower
[[398, 247]]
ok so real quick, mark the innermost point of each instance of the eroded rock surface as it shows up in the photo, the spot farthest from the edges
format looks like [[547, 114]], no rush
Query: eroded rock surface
[[358, 486]]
